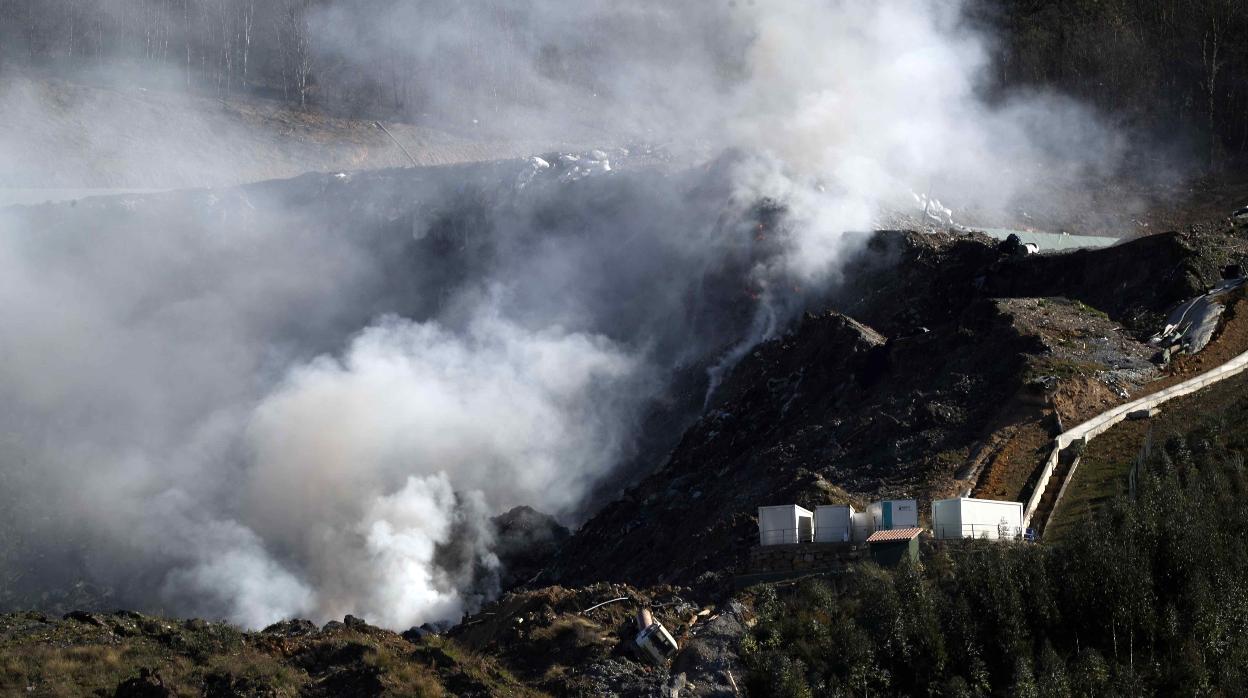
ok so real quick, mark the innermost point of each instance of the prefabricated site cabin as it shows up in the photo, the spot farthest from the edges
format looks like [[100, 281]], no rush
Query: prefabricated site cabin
[[893, 513], [861, 523], [784, 524], [977, 518], [834, 523]]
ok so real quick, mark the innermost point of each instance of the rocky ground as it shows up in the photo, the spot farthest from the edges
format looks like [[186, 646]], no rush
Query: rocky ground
[[555, 641], [133, 655]]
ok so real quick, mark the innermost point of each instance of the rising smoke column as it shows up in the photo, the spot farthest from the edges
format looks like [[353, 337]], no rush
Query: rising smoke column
[[355, 458], [224, 419]]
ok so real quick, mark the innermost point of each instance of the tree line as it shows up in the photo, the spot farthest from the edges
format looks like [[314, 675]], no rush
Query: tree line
[[1151, 597], [343, 53], [224, 46], [1165, 66]]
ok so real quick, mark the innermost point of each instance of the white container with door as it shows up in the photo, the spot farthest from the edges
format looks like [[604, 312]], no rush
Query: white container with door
[[785, 524], [861, 522], [834, 523], [977, 518]]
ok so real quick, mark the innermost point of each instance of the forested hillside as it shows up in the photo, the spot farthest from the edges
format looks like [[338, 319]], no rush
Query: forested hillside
[[377, 58], [1146, 600], [1166, 66]]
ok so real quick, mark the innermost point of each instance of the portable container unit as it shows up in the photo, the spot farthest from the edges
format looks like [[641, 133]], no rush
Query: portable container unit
[[894, 513], [861, 522], [977, 518], [653, 639], [834, 523], [784, 524]]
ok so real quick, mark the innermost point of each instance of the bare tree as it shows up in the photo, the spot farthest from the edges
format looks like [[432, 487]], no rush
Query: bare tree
[[247, 20], [296, 42]]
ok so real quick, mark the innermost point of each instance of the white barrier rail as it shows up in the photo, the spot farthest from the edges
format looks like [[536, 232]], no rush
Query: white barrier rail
[[1101, 423]]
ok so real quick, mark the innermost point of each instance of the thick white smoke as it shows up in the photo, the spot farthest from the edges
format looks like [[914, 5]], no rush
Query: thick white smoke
[[353, 458], [214, 412], [849, 107]]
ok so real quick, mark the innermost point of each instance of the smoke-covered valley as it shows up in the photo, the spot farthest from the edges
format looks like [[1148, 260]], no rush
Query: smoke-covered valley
[[307, 397]]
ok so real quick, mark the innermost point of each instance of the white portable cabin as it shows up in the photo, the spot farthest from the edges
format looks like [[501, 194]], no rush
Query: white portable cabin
[[834, 523], [977, 518], [893, 513], [861, 522], [788, 523]]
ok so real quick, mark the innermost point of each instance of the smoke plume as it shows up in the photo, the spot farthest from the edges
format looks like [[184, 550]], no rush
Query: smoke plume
[[306, 398]]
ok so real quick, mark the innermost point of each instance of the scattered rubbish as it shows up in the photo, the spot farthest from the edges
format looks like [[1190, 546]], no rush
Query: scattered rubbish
[[1013, 245], [933, 210], [653, 639], [1191, 325], [1047, 242], [604, 603]]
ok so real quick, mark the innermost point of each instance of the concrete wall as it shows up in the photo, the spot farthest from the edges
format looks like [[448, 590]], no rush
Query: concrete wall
[[1099, 424]]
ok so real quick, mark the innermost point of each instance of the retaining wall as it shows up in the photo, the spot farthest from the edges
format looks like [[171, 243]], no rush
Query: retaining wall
[[1099, 424], [799, 557]]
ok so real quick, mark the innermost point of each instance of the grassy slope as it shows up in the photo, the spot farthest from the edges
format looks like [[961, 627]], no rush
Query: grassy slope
[[1103, 471], [46, 657]]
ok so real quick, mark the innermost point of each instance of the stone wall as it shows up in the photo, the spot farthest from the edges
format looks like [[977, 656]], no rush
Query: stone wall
[[801, 556]]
